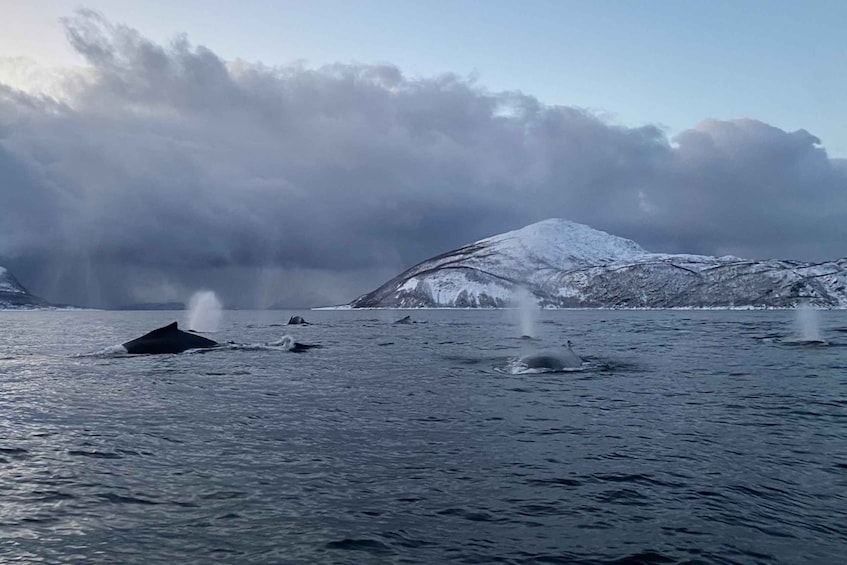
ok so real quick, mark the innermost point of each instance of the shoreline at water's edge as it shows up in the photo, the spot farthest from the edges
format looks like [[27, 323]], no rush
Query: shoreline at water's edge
[[680, 308], [350, 308], [47, 309]]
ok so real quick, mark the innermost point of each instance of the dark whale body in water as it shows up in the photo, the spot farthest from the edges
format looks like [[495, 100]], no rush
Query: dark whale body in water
[[406, 320], [293, 320], [168, 339], [287, 342], [552, 362], [559, 360]]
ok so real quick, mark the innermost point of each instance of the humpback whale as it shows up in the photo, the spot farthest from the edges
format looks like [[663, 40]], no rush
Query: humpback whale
[[558, 360], [296, 320], [168, 339], [405, 320]]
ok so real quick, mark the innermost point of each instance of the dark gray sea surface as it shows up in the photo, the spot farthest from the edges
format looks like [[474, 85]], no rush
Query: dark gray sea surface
[[688, 437]]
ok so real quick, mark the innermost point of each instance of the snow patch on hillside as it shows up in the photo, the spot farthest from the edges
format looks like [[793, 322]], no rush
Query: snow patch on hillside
[[561, 243], [8, 284], [454, 287]]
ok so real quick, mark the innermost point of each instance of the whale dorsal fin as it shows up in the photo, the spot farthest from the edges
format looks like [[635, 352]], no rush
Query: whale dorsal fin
[[167, 339], [164, 330]]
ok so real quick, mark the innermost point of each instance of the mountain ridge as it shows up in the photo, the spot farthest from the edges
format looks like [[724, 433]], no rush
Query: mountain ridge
[[564, 264]]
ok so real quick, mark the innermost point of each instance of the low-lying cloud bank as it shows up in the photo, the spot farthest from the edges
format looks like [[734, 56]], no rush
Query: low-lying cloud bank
[[163, 169]]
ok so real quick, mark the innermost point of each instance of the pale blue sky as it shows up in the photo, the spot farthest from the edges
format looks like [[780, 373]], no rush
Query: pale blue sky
[[670, 63]]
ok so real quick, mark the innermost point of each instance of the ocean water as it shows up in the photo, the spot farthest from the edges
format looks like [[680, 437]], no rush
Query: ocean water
[[688, 437]]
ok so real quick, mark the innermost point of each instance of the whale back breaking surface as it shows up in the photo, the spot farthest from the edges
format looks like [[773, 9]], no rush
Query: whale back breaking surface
[[554, 361], [167, 339], [543, 362]]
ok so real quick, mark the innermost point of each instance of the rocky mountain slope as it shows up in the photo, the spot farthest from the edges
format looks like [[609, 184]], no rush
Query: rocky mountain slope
[[14, 296], [563, 264]]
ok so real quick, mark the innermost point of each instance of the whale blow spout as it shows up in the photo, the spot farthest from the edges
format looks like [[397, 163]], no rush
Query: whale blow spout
[[168, 339], [808, 326], [204, 312]]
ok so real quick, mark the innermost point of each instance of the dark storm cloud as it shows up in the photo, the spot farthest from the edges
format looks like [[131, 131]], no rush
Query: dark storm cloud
[[166, 168]]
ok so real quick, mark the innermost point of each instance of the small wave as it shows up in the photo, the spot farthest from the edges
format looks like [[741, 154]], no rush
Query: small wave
[[119, 499], [14, 453], [614, 366], [643, 558], [804, 342], [479, 516], [251, 347], [461, 360], [634, 478], [257, 347], [95, 454], [625, 496], [561, 482], [515, 367], [534, 371], [369, 545], [223, 495], [538, 510], [404, 539], [111, 351], [276, 345], [52, 496]]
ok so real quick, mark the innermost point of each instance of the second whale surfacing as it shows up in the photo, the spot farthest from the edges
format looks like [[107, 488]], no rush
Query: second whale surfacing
[[287, 343], [168, 339], [549, 361]]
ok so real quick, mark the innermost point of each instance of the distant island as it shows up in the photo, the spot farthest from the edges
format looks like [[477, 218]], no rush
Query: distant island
[[556, 263], [152, 306], [13, 296]]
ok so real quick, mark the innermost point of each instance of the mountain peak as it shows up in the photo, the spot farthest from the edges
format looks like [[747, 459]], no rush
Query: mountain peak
[[561, 242]]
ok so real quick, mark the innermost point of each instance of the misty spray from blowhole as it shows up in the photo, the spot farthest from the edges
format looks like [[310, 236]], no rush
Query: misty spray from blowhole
[[204, 312]]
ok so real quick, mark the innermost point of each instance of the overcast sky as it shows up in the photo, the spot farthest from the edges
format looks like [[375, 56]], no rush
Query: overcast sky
[[141, 166]]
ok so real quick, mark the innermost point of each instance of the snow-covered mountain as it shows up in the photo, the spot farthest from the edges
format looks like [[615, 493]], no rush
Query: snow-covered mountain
[[13, 295], [568, 265]]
